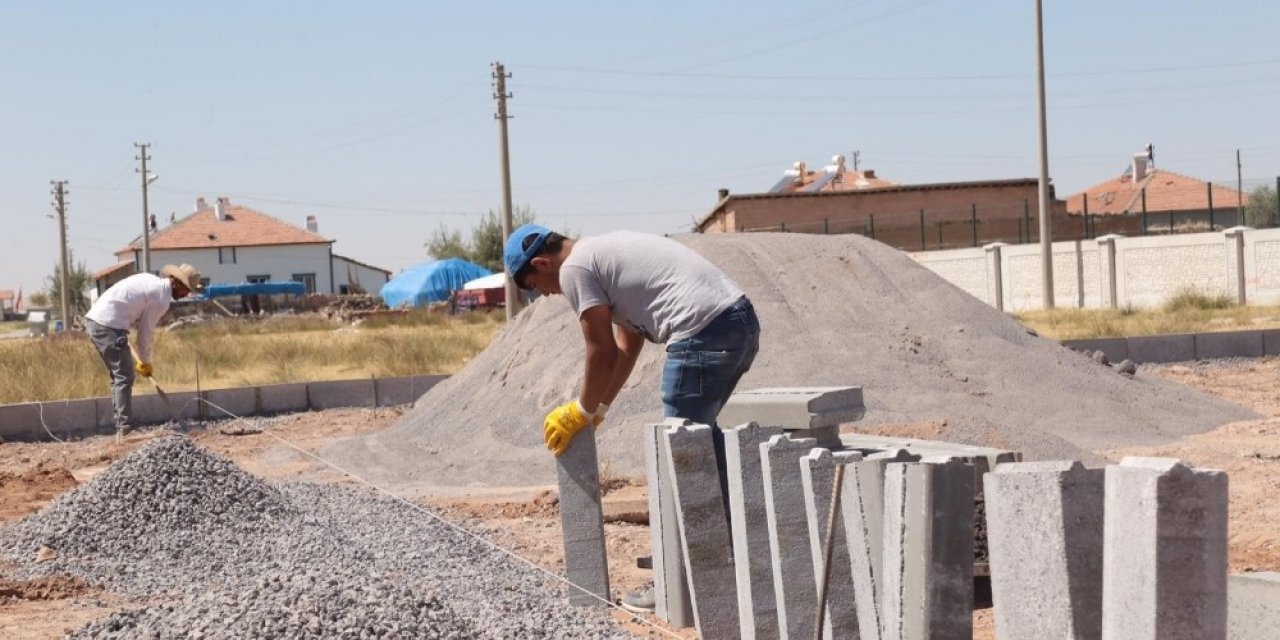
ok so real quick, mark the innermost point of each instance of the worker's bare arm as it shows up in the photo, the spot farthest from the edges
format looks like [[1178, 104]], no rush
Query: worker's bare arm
[[603, 356], [629, 346]]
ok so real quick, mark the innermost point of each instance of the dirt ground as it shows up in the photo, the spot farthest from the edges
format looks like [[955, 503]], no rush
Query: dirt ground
[[526, 520]]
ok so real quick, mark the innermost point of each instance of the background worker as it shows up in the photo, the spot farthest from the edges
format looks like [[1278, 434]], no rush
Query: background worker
[[626, 288], [137, 301]]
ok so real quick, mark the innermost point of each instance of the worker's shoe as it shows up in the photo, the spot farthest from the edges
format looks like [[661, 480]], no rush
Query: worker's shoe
[[641, 601]]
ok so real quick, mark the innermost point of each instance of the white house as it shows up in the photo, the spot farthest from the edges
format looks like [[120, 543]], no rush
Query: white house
[[234, 244]]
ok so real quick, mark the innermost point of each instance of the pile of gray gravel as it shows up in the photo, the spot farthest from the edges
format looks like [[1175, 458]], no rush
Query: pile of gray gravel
[[834, 310], [223, 554]]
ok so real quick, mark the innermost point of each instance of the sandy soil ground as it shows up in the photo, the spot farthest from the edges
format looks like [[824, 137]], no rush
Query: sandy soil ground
[[526, 520]]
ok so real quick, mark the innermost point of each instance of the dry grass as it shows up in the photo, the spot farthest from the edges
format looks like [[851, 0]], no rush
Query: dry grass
[[245, 353], [1187, 312]]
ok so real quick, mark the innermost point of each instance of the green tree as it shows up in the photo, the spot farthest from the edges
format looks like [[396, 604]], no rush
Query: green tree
[[39, 299], [484, 247], [79, 281], [447, 244], [1261, 210]]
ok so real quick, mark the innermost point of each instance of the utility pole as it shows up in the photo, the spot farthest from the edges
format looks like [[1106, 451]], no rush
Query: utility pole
[[500, 76], [857, 156], [1239, 191], [60, 203], [1046, 231], [146, 215]]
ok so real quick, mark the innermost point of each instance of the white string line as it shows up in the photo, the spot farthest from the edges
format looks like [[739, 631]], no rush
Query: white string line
[[40, 409], [451, 525]]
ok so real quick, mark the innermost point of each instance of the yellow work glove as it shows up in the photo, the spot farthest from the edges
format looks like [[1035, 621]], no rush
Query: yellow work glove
[[562, 424], [143, 369]]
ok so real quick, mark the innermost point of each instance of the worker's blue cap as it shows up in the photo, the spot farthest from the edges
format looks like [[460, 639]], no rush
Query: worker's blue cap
[[522, 245]]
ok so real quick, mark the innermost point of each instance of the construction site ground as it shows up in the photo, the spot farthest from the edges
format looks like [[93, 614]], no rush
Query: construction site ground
[[526, 521]]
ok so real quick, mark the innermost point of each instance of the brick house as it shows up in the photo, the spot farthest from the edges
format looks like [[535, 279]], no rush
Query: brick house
[[1170, 200], [918, 216], [233, 244]]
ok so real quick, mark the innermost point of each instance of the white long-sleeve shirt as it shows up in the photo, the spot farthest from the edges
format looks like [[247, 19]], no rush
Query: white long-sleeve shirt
[[137, 301]]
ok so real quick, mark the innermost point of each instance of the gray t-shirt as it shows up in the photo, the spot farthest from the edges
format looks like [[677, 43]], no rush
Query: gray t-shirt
[[653, 285]]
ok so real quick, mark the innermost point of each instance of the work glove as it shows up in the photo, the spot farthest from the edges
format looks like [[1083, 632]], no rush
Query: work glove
[[601, 409], [562, 424], [143, 369]]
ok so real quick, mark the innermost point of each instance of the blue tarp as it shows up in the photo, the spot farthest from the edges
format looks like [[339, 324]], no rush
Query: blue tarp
[[245, 288], [430, 282]]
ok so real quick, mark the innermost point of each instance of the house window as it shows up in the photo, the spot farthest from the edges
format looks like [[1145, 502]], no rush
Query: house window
[[343, 289], [308, 281], [226, 255], [257, 279]]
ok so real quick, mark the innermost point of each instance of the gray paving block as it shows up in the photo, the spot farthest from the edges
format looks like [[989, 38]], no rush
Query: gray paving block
[[28, 421], [704, 530], [1168, 348], [818, 474], [1044, 531], [862, 512], [19, 421], [749, 524], [105, 413], [151, 408], [1229, 344], [1165, 555], [983, 458], [1117, 349], [1271, 342], [333, 394], [405, 390], [795, 408], [586, 563], [789, 549], [240, 402], [282, 398], [928, 551], [670, 587], [1253, 606], [827, 437]]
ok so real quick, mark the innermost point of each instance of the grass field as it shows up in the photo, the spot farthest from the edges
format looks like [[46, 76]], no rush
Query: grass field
[[1185, 313], [245, 353]]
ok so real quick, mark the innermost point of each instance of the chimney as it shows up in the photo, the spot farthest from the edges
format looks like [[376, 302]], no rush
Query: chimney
[[869, 174], [312, 225], [723, 193], [201, 205], [1139, 167], [220, 208]]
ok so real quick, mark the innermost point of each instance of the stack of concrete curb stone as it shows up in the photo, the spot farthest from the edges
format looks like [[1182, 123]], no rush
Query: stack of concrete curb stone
[[750, 563], [1133, 551]]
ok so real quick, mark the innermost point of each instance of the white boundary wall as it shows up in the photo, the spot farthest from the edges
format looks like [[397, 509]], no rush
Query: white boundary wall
[[1146, 271]]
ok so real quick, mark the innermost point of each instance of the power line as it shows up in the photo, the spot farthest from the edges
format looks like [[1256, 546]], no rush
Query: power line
[[895, 78]]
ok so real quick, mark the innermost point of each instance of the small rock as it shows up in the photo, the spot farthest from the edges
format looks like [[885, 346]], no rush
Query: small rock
[[46, 554], [1127, 367], [1101, 358]]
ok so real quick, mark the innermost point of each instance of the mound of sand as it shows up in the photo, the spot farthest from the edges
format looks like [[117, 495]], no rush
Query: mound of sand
[[834, 310]]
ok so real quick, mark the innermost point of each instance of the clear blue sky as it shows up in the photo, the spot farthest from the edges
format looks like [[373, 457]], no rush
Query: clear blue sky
[[377, 117]]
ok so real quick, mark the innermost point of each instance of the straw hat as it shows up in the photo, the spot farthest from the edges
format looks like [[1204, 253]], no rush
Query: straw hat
[[186, 274]]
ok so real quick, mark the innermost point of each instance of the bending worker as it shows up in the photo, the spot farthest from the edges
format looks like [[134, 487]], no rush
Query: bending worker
[[626, 288], [137, 301]]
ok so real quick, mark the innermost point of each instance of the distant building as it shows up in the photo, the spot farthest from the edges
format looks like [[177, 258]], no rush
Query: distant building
[[1162, 195], [233, 244], [835, 199]]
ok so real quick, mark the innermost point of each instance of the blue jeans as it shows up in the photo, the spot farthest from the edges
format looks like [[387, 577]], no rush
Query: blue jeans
[[701, 372]]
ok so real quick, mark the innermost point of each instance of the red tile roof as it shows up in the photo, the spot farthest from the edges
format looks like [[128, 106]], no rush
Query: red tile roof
[[1166, 191], [846, 181], [6, 294], [243, 227], [123, 264]]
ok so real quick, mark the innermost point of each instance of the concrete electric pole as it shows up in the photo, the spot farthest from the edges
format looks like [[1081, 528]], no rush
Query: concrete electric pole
[[500, 76], [60, 203], [146, 215], [1046, 230]]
